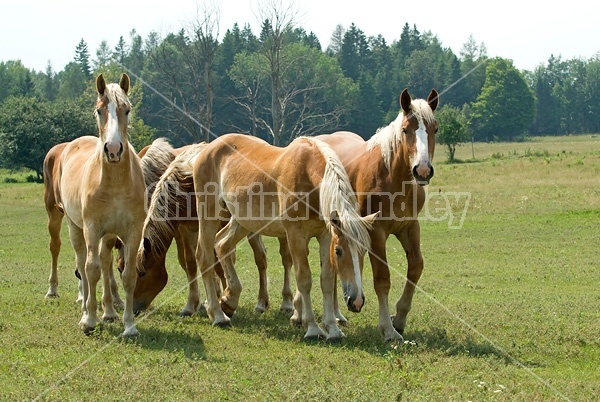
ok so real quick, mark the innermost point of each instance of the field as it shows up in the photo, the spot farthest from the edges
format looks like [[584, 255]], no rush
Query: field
[[508, 306]]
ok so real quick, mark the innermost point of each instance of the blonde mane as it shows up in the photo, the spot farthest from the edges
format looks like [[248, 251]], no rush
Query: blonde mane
[[155, 162], [387, 138], [172, 190], [336, 193]]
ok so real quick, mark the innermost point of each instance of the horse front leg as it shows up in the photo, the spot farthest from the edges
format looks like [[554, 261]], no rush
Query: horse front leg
[[187, 239], [130, 274], [328, 288], [381, 283], [410, 240], [260, 259], [92, 271], [110, 314], [298, 245]]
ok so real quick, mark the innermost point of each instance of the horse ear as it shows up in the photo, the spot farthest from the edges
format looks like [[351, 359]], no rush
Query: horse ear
[[334, 218], [100, 84], [433, 99], [370, 219], [124, 83], [405, 101]]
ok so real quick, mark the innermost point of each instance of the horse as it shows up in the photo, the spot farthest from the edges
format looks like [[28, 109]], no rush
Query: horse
[[297, 192], [172, 215], [101, 191], [388, 173], [159, 156]]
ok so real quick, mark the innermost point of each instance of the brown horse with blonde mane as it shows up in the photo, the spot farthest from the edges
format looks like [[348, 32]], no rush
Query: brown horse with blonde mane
[[172, 215], [297, 192], [101, 192], [388, 173], [155, 159]]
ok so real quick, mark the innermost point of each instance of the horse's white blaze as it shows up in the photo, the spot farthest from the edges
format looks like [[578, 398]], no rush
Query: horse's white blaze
[[113, 134], [421, 161], [357, 278]]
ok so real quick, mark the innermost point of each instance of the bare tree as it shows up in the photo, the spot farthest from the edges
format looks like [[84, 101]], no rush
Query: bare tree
[[276, 19], [205, 32]]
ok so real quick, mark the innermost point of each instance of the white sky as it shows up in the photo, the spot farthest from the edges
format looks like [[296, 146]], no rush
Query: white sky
[[527, 32]]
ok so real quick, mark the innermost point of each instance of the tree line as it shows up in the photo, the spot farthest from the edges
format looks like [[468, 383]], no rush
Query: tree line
[[189, 86]]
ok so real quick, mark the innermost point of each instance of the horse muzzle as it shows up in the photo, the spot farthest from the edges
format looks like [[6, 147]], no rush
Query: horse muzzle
[[355, 302], [113, 151], [423, 173]]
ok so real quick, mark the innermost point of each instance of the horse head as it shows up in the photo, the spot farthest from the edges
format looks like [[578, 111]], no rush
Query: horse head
[[418, 134], [346, 259], [154, 279], [112, 116]]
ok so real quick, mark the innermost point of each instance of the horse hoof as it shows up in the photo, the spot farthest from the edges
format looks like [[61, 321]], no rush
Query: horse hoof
[[296, 322], [286, 310], [110, 318], [227, 309], [130, 333], [335, 340], [223, 324], [186, 313], [312, 338], [52, 295], [259, 309], [400, 330], [90, 330]]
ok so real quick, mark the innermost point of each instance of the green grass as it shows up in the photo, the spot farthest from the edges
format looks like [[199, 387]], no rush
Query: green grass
[[508, 307]]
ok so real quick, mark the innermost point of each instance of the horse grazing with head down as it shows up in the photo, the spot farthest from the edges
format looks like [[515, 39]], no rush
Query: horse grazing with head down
[[388, 173], [297, 192], [172, 215], [101, 192]]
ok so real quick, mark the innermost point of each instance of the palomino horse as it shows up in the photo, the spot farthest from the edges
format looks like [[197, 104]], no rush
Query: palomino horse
[[297, 192], [155, 159], [101, 192], [388, 173], [172, 214]]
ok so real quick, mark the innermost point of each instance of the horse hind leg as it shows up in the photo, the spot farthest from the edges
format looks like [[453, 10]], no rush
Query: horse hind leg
[[260, 259], [225, 242], [287, 306], [54, 225]]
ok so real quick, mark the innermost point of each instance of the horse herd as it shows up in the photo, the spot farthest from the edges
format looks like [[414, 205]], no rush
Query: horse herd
[[349, 194]]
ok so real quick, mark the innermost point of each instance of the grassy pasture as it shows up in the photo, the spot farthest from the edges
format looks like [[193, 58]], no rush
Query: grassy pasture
[[508, 307]]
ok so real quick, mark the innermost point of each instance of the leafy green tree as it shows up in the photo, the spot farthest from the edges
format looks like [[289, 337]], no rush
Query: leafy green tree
[[15, 80], [505, 107], [453, 129], [30, 127]]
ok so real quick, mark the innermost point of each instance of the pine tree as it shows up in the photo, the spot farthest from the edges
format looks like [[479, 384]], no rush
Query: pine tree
[[82, 57]]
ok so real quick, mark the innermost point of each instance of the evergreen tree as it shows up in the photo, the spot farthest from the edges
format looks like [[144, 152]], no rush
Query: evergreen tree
[[103, 56], [82, 57]]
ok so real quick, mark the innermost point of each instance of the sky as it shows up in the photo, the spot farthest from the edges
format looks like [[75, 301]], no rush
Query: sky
[[527, 32]]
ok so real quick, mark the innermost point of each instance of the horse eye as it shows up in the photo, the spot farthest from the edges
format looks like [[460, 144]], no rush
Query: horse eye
[[338, 251]]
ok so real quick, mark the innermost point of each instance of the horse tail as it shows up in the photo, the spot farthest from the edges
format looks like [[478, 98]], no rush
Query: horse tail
[[154, 163], [336, 194], [170, 200]]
